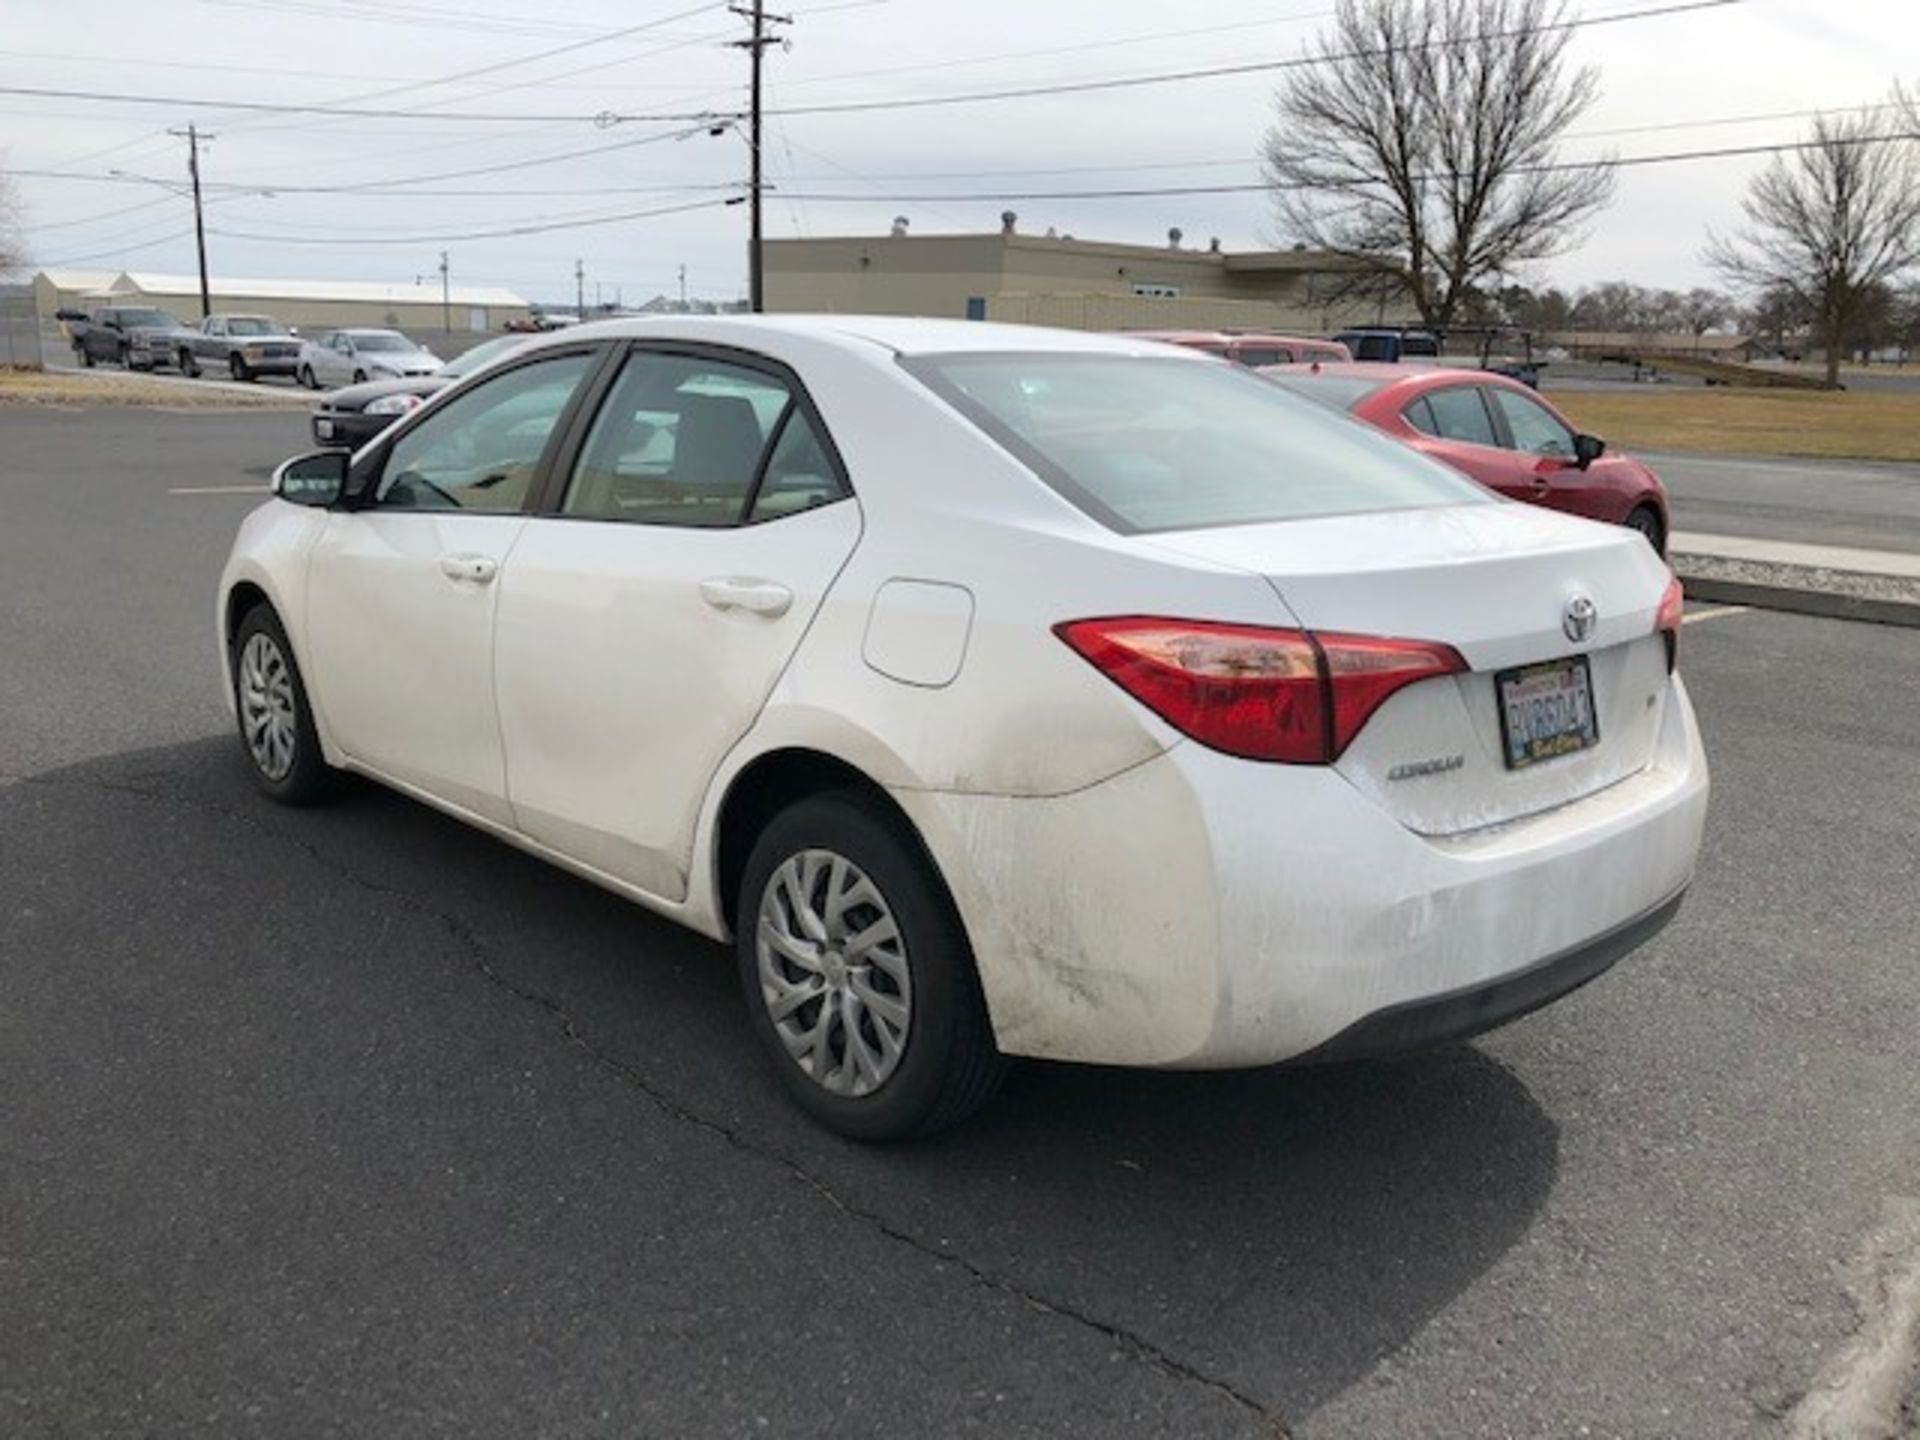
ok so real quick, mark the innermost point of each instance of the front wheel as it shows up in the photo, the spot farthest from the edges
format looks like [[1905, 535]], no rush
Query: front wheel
[[305, 377], [1646, 520], [86, 357], [270, 704], [189, 366], [359, 377], [858, 974], [238, 365]]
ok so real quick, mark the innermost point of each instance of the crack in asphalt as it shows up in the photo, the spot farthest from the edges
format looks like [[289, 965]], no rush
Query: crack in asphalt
[[1137, 1346]]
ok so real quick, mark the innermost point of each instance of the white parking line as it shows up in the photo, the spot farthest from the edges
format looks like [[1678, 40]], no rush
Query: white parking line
[[1713, 612], [220, 490]]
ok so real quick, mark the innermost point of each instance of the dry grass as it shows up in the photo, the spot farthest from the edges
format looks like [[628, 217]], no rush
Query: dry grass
[[34, 387], [1856, 425]]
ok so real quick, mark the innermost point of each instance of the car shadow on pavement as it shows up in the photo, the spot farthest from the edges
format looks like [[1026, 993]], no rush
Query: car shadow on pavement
[[1275, 1233]]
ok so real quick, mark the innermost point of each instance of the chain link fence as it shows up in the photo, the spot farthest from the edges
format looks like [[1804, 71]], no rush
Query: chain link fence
[[25, 342]]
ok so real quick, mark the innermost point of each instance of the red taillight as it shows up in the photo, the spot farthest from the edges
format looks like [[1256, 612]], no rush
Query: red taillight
[[1255, 692], [1666, 619]]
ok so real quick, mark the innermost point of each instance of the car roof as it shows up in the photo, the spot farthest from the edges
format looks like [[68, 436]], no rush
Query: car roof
[[1387, 373], [903, 335], [1228, 337]]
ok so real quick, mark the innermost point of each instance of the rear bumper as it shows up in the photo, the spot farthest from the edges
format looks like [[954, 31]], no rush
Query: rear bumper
[[1439, 1019], [1198, 911]]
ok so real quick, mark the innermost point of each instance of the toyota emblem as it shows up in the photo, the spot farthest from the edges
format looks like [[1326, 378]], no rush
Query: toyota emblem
[[1579, 619]]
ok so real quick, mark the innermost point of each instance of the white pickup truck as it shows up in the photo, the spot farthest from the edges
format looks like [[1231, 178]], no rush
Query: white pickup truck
[[244, 346]]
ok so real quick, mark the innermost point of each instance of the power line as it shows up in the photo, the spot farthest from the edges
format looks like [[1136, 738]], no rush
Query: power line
[[1626, 162], [266, 107], [446, 238], [1211, 72]]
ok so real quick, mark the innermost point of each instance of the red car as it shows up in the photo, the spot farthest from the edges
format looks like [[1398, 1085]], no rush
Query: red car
[[1497, 431], [1245, 347]]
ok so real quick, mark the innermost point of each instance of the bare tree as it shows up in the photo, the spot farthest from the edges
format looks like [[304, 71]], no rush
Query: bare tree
[[1421, 143], [1831, 223], [1702, 310]]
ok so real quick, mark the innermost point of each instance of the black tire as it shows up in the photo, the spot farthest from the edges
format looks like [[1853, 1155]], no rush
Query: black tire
[[359, 377], [123, 355], [1646, 520], [948, 1066], [305, 377], [238, 367], [189, 366], [308, 777], [86, 357]]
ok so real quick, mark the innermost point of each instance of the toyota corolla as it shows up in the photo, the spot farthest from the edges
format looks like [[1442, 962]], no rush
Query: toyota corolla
[[993, 691]]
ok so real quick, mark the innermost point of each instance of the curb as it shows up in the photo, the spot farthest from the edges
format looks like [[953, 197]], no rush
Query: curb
[[1800, 589]]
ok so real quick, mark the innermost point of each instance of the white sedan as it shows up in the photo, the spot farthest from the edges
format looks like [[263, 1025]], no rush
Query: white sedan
[[995, 691], [353, 357]]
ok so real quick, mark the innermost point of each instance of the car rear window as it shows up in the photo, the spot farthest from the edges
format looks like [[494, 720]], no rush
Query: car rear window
[[1143, 444], [1336, 392]]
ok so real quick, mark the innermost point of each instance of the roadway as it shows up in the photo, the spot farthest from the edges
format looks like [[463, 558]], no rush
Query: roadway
[[355, 1121]]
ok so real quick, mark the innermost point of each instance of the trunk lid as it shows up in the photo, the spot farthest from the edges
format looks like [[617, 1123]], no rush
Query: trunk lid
[[1494, 581]]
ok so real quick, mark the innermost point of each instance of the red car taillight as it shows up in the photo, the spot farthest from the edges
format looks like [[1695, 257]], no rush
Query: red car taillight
[[1666, 620], [1259, 693]]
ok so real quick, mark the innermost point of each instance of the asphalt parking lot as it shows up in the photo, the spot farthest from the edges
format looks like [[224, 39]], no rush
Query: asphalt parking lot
[[354, 1121]]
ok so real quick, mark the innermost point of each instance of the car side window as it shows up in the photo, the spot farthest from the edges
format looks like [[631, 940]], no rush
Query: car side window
[[216, 327], [1258, 355], [1459, 413], [1536, 429], [480, 451], [1420, 415], [799, 475], [680, 440]]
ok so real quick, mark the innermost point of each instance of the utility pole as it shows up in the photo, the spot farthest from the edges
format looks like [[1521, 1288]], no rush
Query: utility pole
[[192, 136], [683, 287], [755, 46], [446, 297], [580, 289]]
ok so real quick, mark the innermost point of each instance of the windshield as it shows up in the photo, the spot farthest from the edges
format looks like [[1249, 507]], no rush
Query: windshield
[[1336, 392], [1145, 444], [482, 354], [253, 325], [382, 342]]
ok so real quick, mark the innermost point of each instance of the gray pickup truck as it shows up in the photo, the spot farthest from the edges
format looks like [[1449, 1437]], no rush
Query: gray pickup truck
[[244, 346], [136, 336]]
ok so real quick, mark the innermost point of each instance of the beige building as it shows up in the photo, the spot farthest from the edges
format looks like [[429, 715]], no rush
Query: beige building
[[1060, 280], [309, 304]]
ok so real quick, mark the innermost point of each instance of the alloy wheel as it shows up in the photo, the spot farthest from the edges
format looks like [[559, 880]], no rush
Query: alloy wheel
[[267, 718], [834, 973]]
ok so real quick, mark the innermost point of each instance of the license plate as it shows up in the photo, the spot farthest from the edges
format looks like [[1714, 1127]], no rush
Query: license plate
[[323, 428], [1546, 711]]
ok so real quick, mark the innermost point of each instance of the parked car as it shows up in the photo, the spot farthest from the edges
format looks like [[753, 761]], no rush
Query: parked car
[[1500, 432], [353, 357], [993, 690], [136, 336], [244, 346], [1249, 348], [1389, 345], [354, 414]]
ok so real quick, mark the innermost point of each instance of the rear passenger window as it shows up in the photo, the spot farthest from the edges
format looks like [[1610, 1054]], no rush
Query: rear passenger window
[[1460, 414], [1420, 415], [683, 441]]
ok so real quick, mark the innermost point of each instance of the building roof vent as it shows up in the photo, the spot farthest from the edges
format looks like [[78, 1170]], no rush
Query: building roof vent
[[900, 225], [1007, 220], [1173, 238], [1213, 245]]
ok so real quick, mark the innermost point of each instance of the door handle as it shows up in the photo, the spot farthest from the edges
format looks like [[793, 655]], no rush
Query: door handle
[[480, 569], [762, 597]]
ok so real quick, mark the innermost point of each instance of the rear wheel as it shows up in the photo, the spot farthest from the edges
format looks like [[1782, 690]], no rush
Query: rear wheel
[[270, 704], [858, 974], [1646, 520]]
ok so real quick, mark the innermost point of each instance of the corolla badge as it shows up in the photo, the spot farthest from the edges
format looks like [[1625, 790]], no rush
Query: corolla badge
[[1579, 618]]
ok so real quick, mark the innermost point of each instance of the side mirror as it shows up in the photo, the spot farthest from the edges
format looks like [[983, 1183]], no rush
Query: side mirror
[[1587, 449], [318, 478]]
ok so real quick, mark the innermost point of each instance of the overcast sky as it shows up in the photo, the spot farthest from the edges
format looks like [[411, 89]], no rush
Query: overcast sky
[[1753, 59]]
